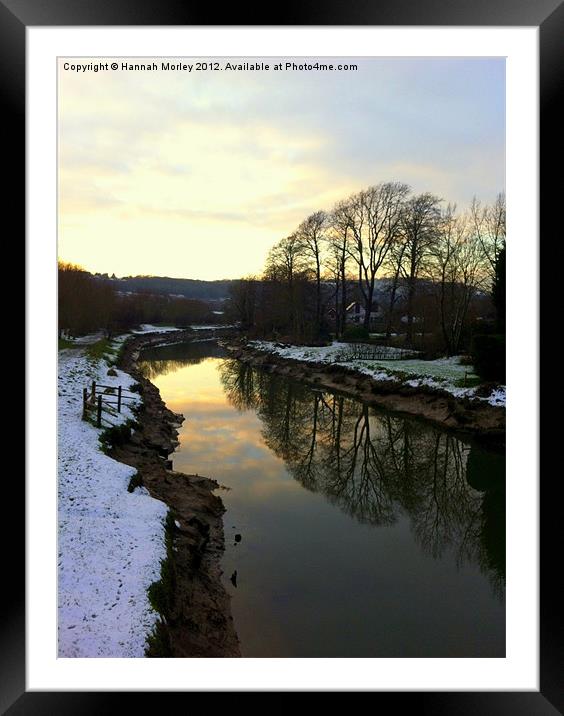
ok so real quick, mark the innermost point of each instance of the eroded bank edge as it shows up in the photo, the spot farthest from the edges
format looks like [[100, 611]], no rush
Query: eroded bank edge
[[194, 607]]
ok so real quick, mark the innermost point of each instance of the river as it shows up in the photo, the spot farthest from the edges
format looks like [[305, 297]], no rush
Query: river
[[350, 532]]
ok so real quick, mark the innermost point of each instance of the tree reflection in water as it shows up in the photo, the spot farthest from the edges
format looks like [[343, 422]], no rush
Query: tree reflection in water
[[376, 466], [164, 360]]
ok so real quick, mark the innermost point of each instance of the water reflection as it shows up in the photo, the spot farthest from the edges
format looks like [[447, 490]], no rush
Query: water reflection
[[168, 359], [378, 467], [364, 533]]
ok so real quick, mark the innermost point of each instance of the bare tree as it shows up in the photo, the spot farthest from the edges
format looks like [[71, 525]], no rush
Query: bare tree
[[456, 268], [284, 259], [244, 301], [311, 237], [419, 224], [374, 216], [287, 267], [394, 263], [489, 226], [339, 241]]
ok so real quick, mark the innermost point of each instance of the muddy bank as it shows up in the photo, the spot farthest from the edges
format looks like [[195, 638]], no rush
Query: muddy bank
[[463, 415], [199, 621]]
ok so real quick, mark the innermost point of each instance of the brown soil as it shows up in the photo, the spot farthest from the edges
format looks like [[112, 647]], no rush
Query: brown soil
[[199, 623], [458, 414]]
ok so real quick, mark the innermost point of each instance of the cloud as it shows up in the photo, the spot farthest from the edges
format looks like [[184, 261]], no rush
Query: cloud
[[220, 166]]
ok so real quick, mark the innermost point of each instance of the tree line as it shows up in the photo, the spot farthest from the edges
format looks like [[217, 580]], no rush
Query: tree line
[[433, 258], [187, 287], [89, 303]]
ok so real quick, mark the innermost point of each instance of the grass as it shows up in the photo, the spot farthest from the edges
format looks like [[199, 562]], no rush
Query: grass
[[135, 482], [119, 353], [63, 343], [443, 370], [453, 372], [161, 595], [471, 381], [97, 351], [446, 370], [105, 349], [158, 643], [116, 435], [161, 592]]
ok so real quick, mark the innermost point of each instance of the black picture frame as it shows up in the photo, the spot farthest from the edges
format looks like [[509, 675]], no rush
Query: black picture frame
[[548, 16]]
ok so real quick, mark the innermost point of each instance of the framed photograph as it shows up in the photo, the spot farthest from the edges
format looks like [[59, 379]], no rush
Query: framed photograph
[[273, 323]]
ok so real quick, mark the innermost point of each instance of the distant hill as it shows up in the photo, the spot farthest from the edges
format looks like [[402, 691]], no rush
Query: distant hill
[[187, 287], [219, 290]]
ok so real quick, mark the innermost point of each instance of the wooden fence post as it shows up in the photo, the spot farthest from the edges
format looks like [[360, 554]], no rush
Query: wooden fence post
[[99, 412], [93, 390], [84, 402], [119, 399]]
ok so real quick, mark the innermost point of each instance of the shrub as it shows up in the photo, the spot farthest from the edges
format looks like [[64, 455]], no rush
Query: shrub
[[161, 594], [355, 334], [158, 642], [97, 351], [488, 356], [116, 435], [135, 482], [64, 343]]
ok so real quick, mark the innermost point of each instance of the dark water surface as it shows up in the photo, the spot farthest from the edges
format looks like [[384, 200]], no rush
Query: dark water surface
[[363, 533]]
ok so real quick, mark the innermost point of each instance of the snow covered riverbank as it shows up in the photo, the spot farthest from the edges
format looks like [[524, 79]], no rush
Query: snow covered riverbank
[[110, 541], [446, 374], [149, 328]]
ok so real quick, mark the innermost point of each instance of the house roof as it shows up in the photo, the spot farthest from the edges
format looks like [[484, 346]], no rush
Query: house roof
[[375, 307]]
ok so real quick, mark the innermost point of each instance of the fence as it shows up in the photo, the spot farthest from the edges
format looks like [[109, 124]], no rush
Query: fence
[[96, 402], [367, 351]]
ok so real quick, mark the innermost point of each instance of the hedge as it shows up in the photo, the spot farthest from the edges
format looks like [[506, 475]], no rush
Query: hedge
[[488, 356]]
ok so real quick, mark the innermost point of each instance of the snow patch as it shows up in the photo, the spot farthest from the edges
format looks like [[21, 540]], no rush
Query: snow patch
[[199, 327], [110, 541], [440, 374], [149, 328], [497, 396]]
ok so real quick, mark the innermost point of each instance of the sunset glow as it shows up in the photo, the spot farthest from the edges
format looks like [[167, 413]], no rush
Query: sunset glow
[[197, 175]]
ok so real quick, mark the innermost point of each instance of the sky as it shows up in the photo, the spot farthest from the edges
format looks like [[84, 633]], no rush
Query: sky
[[197, 174]]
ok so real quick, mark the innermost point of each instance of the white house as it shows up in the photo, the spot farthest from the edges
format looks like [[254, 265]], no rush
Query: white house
[[356, 314]]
